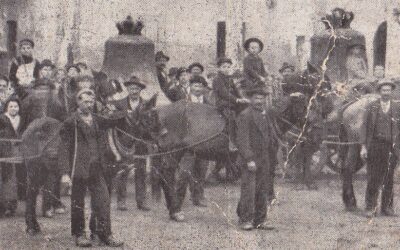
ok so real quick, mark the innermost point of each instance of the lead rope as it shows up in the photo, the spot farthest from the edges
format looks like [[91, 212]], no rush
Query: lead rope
[[75, 151]]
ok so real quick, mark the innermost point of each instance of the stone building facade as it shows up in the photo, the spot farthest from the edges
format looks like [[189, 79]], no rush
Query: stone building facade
[[186, 30]]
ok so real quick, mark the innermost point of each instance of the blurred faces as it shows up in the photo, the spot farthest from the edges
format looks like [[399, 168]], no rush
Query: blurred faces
[[379, 72], [196, 89], [134, 91], [386, 92], [254, 48], [25, 49], [287, 72], [46, 72], [73, 72], [184, 78], [196, 71], [86, 103], [226, 69], [258, 101], [12, 108], [3, 86]]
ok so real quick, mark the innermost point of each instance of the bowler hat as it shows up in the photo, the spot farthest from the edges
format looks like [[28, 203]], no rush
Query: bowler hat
[[385, 82], [223, 60], [47, 63], [160, 55], [198, 65], [199, 79], [180, 71], [286, 65], [253, 39], [135, 81], [27, 41]]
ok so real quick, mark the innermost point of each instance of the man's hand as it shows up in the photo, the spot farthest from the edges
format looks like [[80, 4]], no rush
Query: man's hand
[[363, 152], [251, 166], [65, 179]]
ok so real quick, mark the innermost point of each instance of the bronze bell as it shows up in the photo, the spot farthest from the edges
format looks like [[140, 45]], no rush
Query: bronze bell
[[130, 53]]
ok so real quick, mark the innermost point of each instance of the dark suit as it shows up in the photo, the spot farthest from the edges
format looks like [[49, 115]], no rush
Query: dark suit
[[253, 69], [9, 178], [254, 140], [176, 93], [226, 96], [140, 164], [381, 140], [88, 167]]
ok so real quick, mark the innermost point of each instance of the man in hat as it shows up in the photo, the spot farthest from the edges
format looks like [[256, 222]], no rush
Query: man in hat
[[286, 70], [196, 69], [381, 149], [193, 170], [254, 139], [253, 65], [25, 68], [181, 89], [73, 71], [83, 144], [227, 96], [135, 104], [161, 67]]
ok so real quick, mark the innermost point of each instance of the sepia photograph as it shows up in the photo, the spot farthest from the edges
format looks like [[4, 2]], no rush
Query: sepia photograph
[[199, 124]]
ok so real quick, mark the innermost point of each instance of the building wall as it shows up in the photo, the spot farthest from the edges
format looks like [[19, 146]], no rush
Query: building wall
[[186, 29]]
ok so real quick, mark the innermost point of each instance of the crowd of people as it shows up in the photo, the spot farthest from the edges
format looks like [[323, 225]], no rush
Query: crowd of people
[[243, 98]]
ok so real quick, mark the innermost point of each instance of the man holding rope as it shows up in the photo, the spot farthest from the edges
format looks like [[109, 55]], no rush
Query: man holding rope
[[83, 146]]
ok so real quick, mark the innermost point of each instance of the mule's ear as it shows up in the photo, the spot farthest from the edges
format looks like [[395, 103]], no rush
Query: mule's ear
[[311, 68], [151, 103]]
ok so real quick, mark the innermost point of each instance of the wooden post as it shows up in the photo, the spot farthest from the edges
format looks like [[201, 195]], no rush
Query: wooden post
[[12, 38], [221, 39]]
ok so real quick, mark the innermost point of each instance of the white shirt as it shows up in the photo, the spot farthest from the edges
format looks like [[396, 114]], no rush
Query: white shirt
[[385, 106], [133, 104], [197, 99], [15, 121]]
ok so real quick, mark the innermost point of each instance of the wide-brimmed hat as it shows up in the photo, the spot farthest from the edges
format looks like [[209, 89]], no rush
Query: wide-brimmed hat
[[47, 63], [160, 55], [286, 65], [196, 64], [135, 81], [27, 41], [385, 82], [85, 91], [253, 39], [199, 79], [223, 60]]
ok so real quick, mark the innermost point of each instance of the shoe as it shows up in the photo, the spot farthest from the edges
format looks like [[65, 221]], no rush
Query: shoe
[[121, 206], [112, 242], [388, 212], [48, 214], [95, 239], [264, 226], [33, 231], [178, 217], [200, 203], [143, 208], [370, 213], [60, 210], [246, 226], [82, 241]]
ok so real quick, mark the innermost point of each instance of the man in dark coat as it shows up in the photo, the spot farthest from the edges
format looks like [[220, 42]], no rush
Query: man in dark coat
[[135, 105], [82, 155], [227, 96], [24, 69], [254, 141], [381, 148], [192, 169], [180, 90], [161, 66]]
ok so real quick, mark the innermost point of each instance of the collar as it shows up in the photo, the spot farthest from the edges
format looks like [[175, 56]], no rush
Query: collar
[[12, 118]]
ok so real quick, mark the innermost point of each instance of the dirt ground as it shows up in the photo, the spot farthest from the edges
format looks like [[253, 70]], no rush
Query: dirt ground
[[303, 220]]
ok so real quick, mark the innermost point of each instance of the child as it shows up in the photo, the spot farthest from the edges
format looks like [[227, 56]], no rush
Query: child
[[253, 65], [24, 69]]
